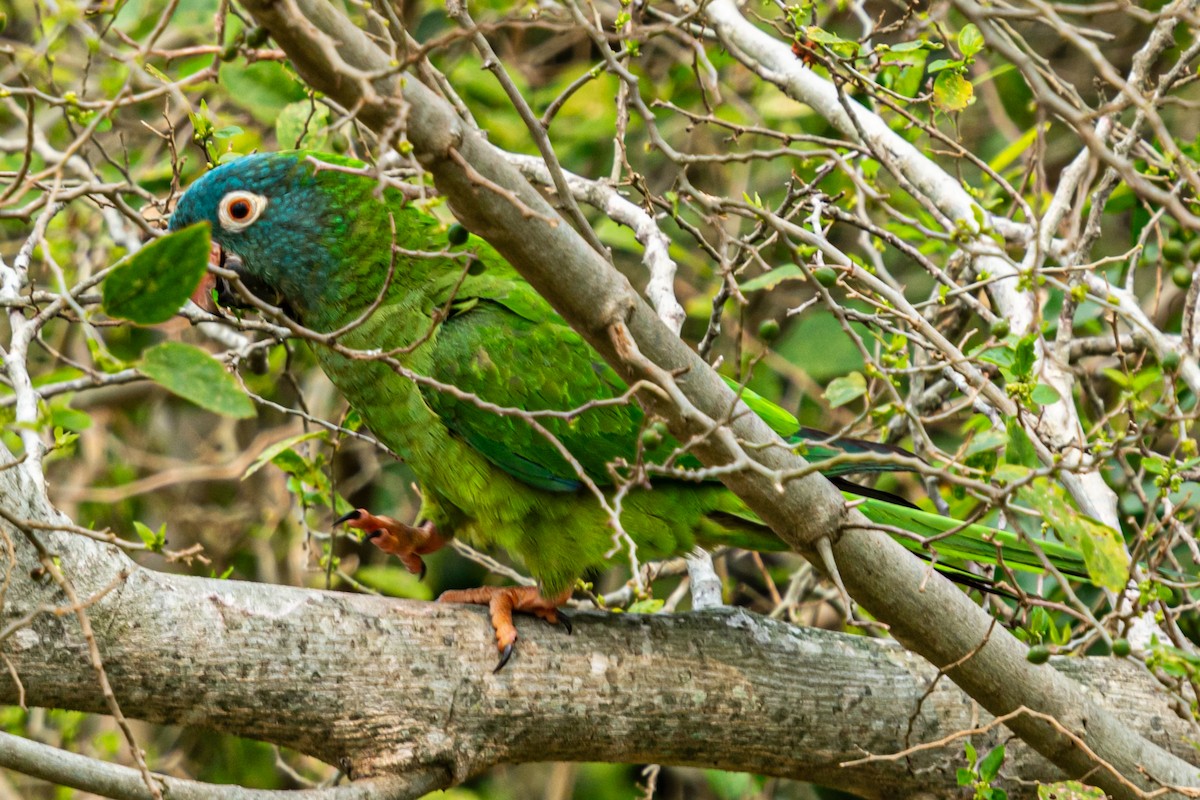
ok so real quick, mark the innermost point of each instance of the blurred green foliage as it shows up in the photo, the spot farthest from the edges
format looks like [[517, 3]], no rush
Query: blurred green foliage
[[253, 500]]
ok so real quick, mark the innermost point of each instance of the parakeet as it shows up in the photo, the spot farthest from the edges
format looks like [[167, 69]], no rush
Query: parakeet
[[339, 255]]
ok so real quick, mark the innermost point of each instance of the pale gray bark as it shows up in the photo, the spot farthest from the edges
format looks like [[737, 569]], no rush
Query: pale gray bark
[[398, 687], [124, 783], [340, 60]]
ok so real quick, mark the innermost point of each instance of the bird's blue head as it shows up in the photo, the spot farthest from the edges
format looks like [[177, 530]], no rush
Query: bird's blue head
[[272, 212]]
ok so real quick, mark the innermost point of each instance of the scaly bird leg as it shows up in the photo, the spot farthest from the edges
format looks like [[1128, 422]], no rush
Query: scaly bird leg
[[406, 542], [502, 601]]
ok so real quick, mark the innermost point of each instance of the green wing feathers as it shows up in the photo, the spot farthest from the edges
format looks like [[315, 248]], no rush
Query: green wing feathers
[[480, 348], [512, 362]]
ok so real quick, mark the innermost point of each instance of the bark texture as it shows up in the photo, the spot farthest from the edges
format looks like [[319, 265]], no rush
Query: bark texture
[[383, 686]]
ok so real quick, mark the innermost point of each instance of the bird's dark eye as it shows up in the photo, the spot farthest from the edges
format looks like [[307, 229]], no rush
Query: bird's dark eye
[[239, 209]]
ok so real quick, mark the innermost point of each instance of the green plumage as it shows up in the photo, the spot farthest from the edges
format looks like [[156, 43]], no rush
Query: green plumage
[[323, 246]]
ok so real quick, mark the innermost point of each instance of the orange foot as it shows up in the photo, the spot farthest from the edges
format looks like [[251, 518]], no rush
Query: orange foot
[[502, 601], [406, 542]]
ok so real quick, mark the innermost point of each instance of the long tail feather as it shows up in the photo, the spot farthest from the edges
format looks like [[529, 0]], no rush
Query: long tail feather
[[859, 490], [820, 446], [974, 542]]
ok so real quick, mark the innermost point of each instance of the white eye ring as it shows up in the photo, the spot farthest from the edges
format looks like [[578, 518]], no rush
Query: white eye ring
[[239, 210]]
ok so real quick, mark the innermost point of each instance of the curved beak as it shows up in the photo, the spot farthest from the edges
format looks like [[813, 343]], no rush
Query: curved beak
[[203, 296], [215, 291]]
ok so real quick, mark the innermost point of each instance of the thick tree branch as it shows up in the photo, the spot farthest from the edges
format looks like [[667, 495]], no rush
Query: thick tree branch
[[381, 686]]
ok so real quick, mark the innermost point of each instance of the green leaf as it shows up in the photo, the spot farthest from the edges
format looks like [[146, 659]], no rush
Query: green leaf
[[1145, 378], [952, 92], [1044, 394], [1068, 790], [989, 767], [1103, 550], [1026, 357], [393, 581], [1000, 356], [1155, 465], [938, 65], [1104, 554], [845, 389], [1020, 448], [303, 125], [269, 455], [987, 440], [308, 470], [263, 88], [905, 47], [730, 785], [650, 605], [772, 278], [970, 40], [1119, 378], [158, 279], [71, 419], [908, 78], [158, 73], [196, 376], [831, 40], [154, 540], [104, 359], [1019, 147], [201, 120]]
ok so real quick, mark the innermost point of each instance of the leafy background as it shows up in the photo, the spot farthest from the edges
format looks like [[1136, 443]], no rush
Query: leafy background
[[248, 493]]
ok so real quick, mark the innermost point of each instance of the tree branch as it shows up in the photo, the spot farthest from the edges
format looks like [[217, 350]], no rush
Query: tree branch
[[122, 783], [381, 686]]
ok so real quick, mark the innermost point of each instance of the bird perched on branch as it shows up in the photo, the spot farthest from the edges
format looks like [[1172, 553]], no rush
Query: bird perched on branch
[[515, 427]]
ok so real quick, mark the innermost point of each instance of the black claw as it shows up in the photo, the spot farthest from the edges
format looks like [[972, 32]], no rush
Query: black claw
[[349, 515], [566, 622], [369, 536], [505, 655], [421, 574]]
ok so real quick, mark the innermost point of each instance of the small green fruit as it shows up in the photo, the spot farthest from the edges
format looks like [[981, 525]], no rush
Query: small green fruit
[[1000, 328], [651, 438], [257, 37], [230, 51], [1038, 654], [1121, 648], [768, 331], [1172, 250], [660, 428], [457, 234], [826, 276], [1181, 276], [1170, 360]]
